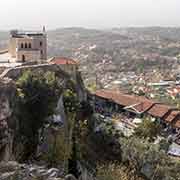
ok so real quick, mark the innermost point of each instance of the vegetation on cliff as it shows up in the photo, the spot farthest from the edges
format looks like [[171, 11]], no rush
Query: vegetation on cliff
[[38, 94]]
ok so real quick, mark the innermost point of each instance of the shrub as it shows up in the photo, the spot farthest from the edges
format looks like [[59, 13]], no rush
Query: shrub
[[148, 129], [148, 159], [115, 171]]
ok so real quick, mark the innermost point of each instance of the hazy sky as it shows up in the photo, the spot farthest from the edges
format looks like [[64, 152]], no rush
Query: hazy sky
[[33, 14]]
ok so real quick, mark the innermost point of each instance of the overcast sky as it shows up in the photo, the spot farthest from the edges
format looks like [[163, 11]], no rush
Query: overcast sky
[[33, 14]]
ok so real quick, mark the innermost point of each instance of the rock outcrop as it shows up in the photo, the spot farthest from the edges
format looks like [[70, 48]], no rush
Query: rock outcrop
[[9, 168], [7, 94], [13, 171]]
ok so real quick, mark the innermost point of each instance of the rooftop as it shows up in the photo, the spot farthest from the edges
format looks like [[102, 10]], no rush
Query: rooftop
[[141, 104], [21, 34], [159, 110], [138, 103], [62, 60], [172, 115]]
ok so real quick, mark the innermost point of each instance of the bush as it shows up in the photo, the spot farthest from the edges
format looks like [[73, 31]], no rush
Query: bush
[[114, 171], [147, 129], [148, 159]]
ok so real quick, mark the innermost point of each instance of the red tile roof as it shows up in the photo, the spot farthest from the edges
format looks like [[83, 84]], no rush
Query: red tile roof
[[62, 60], [106, 94], [171, 116], [159, 110], [139, 103], [142, 104], [176, 124]]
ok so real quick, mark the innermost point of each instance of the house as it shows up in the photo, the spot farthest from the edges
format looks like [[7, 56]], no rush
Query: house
[[68, 65], [174, 92]]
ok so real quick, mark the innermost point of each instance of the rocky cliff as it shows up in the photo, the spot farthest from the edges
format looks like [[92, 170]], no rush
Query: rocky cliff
[[7, 94], [9, 124]]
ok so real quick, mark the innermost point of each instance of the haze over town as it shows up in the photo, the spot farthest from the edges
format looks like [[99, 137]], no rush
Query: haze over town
[[90, 90], [88, 13]]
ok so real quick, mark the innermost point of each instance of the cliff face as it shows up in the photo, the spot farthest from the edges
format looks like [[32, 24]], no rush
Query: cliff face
[[7, 94], [10, 147], [8, 125]]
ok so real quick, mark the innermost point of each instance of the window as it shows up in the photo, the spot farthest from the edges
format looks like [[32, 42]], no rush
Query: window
[[41, 52], [29, 45], [22, 45], [40, 43], [25, 45]]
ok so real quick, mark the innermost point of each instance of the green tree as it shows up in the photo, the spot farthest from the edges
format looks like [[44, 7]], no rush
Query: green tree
[[148, 129], [71, 106], [38, 93]]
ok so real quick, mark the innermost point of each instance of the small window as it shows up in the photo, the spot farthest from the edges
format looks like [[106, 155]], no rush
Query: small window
[[25, 45], [29, 45], [40, 43], [22, 45], [41, 52]]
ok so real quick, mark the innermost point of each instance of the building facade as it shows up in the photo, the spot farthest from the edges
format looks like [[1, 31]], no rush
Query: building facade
[[27, 46]]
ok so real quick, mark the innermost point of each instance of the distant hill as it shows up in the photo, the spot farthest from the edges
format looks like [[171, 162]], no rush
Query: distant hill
[[3, 39], [111, 51]]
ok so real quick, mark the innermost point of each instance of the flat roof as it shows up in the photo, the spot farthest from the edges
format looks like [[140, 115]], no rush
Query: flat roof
[[21, 34]]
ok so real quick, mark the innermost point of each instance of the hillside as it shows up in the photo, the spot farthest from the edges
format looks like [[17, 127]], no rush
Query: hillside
[[115, 54]]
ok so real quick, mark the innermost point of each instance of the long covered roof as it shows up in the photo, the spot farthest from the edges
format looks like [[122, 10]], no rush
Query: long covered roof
[[142, 105]]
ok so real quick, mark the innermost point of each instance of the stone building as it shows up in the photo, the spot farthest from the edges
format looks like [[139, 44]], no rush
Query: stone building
[[68, 65], [27, 46]]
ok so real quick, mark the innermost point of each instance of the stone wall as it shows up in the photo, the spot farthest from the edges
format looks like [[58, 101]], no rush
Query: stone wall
[[15, 73]]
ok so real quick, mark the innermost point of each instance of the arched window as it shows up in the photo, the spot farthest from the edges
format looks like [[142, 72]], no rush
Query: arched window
[[29, 45], [25, 45], [40, 43], [22, 45], [41, 52]]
